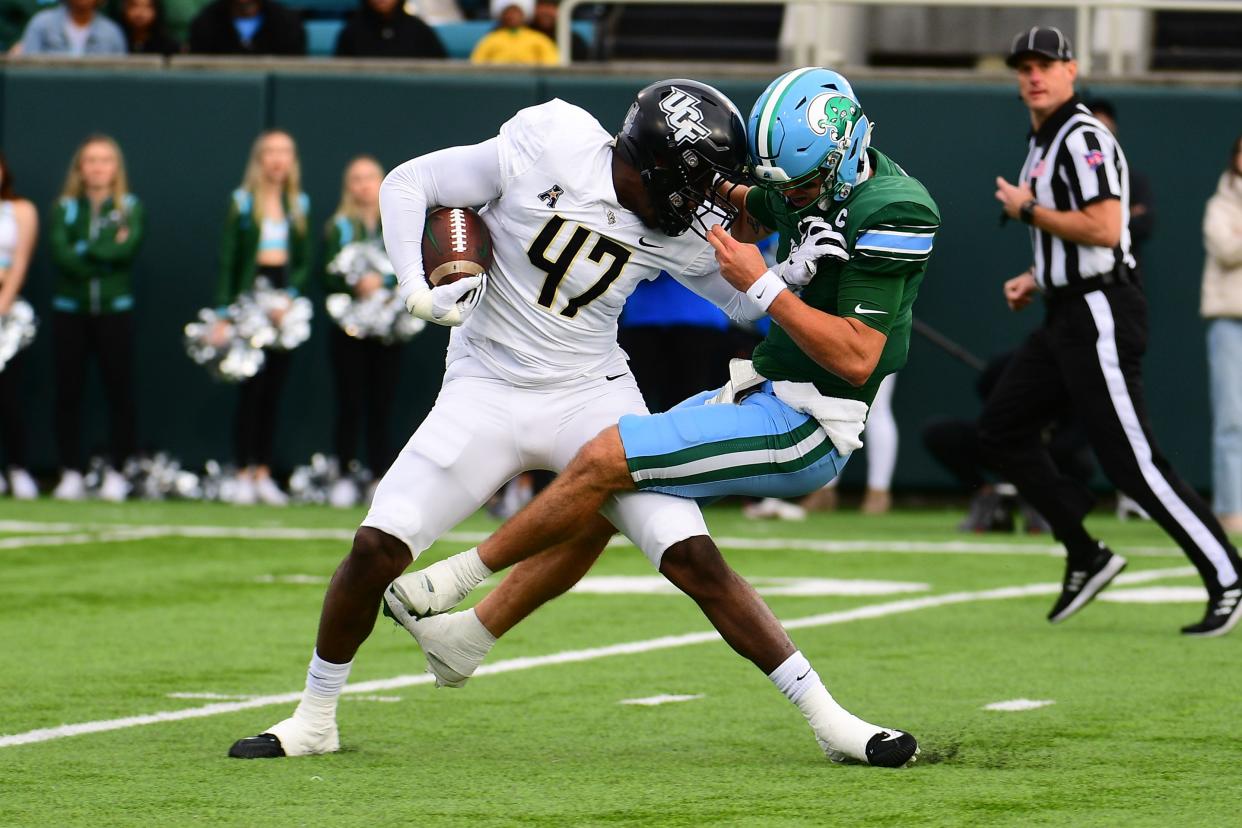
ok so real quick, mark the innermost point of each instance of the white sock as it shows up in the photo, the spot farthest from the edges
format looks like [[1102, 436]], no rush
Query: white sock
[[833, 724], [468, 569], [324, 683], [475, 639]]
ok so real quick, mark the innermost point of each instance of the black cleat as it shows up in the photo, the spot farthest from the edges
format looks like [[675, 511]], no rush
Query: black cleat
[[263, 746], [892, 749], [1223, 611], [1084, 583]]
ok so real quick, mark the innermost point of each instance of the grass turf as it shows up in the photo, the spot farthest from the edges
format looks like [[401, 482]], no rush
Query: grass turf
[[105, 628]]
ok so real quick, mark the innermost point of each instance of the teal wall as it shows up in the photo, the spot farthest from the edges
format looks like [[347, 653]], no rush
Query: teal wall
[[186, 136]]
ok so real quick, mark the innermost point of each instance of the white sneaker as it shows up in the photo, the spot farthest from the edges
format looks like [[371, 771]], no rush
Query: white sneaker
[[269, 493], [454, 645], [114, 487], [438, 588], [241, 492], [70, 486], [292, 737], [774, 508], [344, 493], [24, 487]]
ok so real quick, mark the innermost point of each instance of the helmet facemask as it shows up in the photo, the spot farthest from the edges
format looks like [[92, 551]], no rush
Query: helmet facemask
[[688, 196], [687, 141]]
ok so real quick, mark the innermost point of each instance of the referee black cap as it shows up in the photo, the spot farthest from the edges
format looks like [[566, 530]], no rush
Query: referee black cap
[[1045, 41]]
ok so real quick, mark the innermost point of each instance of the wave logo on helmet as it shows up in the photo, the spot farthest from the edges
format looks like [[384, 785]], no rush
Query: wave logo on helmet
[[832, 113], [683, 116]]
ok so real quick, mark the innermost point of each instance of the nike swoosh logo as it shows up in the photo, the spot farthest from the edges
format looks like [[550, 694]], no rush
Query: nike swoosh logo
[[643, 241], [891, 737], [617, 377], [804, 675], [861, 309]]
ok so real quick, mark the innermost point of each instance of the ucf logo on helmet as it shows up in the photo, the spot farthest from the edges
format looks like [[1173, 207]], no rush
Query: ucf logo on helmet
[[684, 116]]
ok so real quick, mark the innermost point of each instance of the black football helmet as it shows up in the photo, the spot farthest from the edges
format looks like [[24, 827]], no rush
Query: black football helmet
[[685, 139]]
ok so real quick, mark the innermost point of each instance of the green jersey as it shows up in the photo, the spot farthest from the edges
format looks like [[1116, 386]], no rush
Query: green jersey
[[889, 222]]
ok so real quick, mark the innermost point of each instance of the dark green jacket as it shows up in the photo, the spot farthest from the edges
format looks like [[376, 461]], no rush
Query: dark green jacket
[[339, 232], [240, 245], [92, 267]]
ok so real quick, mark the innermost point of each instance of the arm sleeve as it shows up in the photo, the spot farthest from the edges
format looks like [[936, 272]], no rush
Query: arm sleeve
[[455, 177], [226, 283], [108, 249], [891, 248], [1221, 237], [757, 207], [1093, 172], [332, 282], [703, 277], [64, 248], [300, 261]]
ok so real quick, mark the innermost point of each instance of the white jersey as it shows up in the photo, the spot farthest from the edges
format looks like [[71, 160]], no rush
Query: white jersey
[[567, 254]]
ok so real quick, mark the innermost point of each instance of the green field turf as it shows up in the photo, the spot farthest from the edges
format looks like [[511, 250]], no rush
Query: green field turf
[[105, 611]]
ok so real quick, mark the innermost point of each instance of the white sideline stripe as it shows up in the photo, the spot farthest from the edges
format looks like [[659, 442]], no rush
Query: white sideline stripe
[[1017, 705], [106, 533], [569, 657], [1157, 595], [1110, 365], [664, 698]]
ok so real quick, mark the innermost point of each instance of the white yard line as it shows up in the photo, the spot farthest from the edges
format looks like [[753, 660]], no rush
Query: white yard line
[[1018, 705], [112, 533], [663, 698], [869, 611]]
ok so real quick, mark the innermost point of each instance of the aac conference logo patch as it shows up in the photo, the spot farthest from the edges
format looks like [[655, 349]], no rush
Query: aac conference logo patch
[[1094, 158]]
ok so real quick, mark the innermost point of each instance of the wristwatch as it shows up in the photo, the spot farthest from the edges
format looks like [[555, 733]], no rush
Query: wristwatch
[[1026, 213]]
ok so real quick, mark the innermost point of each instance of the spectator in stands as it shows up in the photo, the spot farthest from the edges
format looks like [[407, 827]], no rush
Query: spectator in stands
[[383, 28], [95, 232], [544, 20], [1222, 307], [247, 27], [145, 32], [73, 27], [265, 235], [513, 41], [19, 225], [1142, 205], [364, 368]]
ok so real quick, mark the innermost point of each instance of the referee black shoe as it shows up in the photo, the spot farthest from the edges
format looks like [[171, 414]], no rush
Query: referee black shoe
[[1223, 611], [1082, 583]]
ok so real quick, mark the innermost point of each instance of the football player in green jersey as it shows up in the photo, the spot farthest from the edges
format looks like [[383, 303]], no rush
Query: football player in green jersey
[[856, 233]]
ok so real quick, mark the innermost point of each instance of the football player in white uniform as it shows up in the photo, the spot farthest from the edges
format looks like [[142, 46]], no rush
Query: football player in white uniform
[[533, 371]]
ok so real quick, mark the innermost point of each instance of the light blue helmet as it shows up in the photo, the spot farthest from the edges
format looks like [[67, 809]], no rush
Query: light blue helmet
[[807, 122]]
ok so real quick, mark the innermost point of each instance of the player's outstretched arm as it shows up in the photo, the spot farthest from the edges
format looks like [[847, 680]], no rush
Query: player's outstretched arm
[[845, 346]]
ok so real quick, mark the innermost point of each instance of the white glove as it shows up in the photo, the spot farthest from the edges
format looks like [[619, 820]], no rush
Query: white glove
[[447, 304], [819, 239]]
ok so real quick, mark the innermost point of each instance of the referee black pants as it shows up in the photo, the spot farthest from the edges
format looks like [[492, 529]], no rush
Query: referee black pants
[[1089, 355]]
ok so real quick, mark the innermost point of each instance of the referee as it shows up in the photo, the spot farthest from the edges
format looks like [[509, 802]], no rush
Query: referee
[[1074, 193]]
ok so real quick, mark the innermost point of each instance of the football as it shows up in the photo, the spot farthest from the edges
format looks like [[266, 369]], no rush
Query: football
[[456, 244]]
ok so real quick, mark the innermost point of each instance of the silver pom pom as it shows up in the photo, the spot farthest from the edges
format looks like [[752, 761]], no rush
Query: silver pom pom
[[17, 330]]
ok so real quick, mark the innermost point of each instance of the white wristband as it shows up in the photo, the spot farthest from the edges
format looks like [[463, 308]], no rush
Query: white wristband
[[766, 288]]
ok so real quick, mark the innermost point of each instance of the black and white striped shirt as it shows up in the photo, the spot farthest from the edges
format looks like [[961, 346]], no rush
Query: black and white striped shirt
[[1074, 161]]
